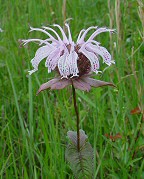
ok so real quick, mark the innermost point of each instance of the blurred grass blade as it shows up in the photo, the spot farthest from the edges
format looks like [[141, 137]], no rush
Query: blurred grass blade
[[85, 98], [16, 101]]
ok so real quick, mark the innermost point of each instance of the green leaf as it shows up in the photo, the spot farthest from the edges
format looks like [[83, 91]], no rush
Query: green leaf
[[81, 162]]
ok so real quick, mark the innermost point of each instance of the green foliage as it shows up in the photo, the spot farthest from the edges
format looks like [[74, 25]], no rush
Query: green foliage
[[33, 129]]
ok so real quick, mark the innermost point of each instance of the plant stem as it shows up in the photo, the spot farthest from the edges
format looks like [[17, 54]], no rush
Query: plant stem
[[77, 115]]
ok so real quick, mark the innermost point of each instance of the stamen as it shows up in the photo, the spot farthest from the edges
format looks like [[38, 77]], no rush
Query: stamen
[[98, 31], [81, 40], [63, 33], [48, 28], [83, 30], [35, 40], [41, 30], [69, 33]]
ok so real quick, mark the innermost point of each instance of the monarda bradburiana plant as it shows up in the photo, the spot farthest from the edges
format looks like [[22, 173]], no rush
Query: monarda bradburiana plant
[[73, 64]]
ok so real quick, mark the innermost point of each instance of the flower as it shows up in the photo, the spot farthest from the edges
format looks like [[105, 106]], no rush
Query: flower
[[1, 30], [73, 61]]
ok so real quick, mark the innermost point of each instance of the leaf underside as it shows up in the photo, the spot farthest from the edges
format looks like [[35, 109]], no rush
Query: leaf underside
[[81, 162]]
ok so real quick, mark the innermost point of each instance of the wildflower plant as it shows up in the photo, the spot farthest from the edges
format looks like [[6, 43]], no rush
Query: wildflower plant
[[74, 63]]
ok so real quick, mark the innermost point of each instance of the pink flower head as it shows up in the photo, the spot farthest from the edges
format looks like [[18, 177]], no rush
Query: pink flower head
[[73, 61]]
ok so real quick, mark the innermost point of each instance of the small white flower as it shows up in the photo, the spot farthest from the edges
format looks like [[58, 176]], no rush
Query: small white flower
[[65, 55], [1, 30]]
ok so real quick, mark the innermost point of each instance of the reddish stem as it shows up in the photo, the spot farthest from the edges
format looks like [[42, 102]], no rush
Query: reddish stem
[[77, 115]]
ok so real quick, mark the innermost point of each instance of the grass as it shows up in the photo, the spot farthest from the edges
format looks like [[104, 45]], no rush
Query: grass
[[33, 128]]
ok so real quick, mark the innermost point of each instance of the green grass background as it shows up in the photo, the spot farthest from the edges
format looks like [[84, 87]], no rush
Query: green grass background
[[33, 128]]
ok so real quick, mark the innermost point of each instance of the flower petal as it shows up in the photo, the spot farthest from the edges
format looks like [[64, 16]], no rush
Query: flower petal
[[72, 59], [52, 59], [41, 53], [92, 58], [62, 65], [100, 51]]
